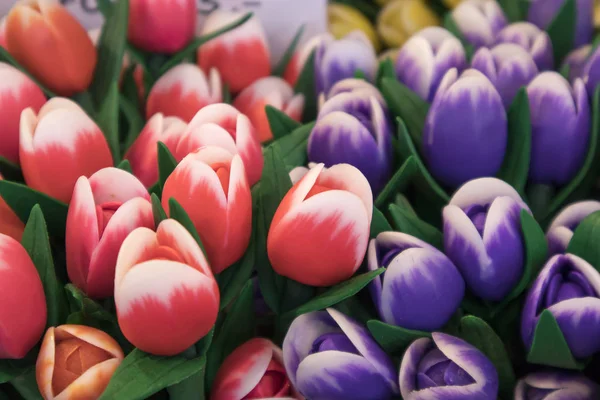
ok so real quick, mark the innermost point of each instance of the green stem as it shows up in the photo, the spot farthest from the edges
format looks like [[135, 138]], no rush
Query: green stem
[[540, 197]]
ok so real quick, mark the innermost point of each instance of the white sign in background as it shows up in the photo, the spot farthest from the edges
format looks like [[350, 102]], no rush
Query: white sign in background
[[281, 18]]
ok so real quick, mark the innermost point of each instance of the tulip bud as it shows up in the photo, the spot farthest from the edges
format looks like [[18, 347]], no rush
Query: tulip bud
[[104, 209], [465, 130], [534, 40], [329, 212], [566, 222], [165, 293], [51, 44], [343, 19], [568, 287], [214, 178], [76, 362], [223, 126], [482, 236], [560, 124], [183, 91], [577, 60], [142, 154], [446, 367], [272, 91], [10, 223], [426, 57], [353, 85], [163, 26], [354, 128], [556, 384], [58, 145], [17, 92], [479, 21], [420, 289], [508, 66], [400, 19], [253, 371], [328, 355], [300, 58], [22, 300], [543, 12], [241, 56]]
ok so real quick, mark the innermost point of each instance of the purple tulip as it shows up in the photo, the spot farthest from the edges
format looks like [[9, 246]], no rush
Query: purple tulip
[[560, 128], [426, 57], [448, 368], [568, 287], [591, 71], [479, 21], [564, 224], [465, 130], [577, 60], [340, 59], [534, 40], [482, 236], [543, 12], [327, 355], [354, 128], [508, 66], [352, 85], [421, 288], [556, 385]]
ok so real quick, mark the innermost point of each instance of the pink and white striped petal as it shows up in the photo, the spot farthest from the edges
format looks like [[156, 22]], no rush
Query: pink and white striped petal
[[116, 185], [209, 134]]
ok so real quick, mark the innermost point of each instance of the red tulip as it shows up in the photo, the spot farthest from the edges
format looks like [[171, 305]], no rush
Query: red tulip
[[223, 126], [271, 91], [299, 60], [22, 300], [183, 91], [17, 92], [241, 55], [58, 145], [161, 26], [142, 154], [104, 209], [10, 224], [320, 231], [165, 293], [210, 184]]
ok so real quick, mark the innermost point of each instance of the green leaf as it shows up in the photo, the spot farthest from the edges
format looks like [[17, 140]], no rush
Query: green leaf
[[406, 221], [35, 240], [233, 278], [135, 121], [22, 199], [379, 223], [166, 163], [397, 183], [360, 74], [289, 53], [157, 210], [190, 388], [565, 71], [515, 10], [292, 147], [227, 97], [191, 48], [393, 339], [107, 118], [178, 213], [7, 58], [584, 242], [125, 166], [10, 170], [307, 86], [516, 162], [549, 346], [453, 28], [281, 125], [26, 385], [562, 30], [478, 333], [104, 6], [386, 70]]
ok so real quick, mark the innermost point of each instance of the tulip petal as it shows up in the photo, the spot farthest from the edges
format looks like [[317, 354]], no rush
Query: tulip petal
[[92, 382], [409, 366], [559, 385], [116, 185], [249, 148], [483, 191], [136, 247], [205, 135], [376, 285], [564, 224], [172, 234], [579, 321]]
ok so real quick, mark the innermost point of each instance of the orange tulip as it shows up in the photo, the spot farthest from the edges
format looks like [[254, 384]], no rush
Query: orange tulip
[[51, 44]]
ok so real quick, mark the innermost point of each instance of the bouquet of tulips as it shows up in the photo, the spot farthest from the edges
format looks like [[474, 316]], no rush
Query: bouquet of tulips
[[180, 219]]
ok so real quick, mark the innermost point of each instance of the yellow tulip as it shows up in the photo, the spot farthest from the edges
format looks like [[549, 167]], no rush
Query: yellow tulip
[[597, 13], [344, 19], [400, 19], [382, 2], [451, 3]]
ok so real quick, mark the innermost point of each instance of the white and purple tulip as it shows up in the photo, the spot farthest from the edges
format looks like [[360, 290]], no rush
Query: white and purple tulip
[[534, 40], [446, 367], [426, 57], [465, 131], [591, 70], [564, 224], [560, 128], [482, 236], [568, 287], [508, 66], [556, 384], [421, 289], [577, 60], [479, 21], [543, 12], [327, 355]]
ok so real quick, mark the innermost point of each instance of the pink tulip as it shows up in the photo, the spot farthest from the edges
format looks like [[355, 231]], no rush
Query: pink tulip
[[320, 231], [165, 293], [210, 184], [271, 91], [22, 300], [300, 58], [183, 91], [241, 55], [17, 92], [223, 126], [58, 145], [3, 32], [104, 209], [142, 154]]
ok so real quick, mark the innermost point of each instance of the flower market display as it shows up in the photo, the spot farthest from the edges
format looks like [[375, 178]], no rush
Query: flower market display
[[404, 207]]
